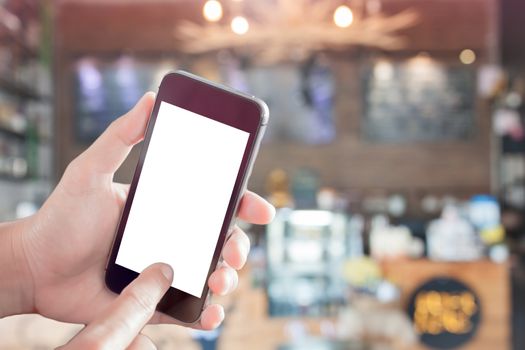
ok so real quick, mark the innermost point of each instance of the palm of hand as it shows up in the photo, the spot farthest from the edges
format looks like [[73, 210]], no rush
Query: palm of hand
[[68, 255], [69, 238]]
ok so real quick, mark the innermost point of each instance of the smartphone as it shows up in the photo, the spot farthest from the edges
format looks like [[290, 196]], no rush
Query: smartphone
[[198, 152]]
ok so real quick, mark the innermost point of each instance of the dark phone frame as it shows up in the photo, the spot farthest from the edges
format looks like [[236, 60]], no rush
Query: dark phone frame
[[224, 105]]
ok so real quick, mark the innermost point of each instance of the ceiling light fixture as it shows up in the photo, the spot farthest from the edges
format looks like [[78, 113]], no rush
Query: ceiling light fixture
[[343, 16], [240, 25], [295, 29], [212, 10]]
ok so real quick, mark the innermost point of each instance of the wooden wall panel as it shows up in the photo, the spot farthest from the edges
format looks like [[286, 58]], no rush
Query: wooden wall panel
[[447, 26]]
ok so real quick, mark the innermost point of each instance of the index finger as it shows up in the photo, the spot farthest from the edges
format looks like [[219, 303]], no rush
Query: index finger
[[111, 148], [255, 209], [118, 326]]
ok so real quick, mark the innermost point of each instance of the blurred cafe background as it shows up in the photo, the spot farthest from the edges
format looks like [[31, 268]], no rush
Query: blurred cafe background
[[395, 154]]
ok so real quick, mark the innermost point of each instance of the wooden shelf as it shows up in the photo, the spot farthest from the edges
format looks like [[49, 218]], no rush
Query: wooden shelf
[[8, 39], [10, 178], [20, 90], [12, 133]]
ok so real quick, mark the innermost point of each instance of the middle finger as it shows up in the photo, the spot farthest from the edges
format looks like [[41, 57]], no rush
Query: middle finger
[[236, 249]]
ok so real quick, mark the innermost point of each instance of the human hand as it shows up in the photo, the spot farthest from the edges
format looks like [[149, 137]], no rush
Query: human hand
[[120, 324], [66, 244]]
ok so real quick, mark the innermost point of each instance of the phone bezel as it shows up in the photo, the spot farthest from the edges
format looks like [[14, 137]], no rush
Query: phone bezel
[[216, 102]]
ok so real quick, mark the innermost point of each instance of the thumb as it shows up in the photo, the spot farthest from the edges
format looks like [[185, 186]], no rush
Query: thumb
[[108, 152], [120, 324]]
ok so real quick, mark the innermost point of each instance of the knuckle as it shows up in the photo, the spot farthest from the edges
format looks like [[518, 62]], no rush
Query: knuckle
[[78, 176], [73, 173], [114, 125], [73, 166], [142, 301], [115, 130], [144, 342], [92, 343]]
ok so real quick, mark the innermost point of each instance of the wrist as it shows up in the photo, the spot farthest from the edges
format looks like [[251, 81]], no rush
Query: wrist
[[16, 282]]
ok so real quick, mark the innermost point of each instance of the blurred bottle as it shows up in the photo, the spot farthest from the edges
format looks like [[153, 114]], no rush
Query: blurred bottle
[[356, 226], [278, 188], [484, 213], [327, 199], [305, 186], [453, 238]]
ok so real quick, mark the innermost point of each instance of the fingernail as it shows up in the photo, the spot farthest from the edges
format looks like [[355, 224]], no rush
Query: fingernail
[[222, 315], [219, 322], [244, 248], [229, 283], [234, 280], [167, 271], [221, 318], [272, 212]]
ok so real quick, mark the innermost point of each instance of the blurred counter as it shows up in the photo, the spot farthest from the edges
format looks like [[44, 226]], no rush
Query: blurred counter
[[480, 290], [487, 281]]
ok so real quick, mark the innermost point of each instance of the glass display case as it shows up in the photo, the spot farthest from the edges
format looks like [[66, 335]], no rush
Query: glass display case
[[306, 250]]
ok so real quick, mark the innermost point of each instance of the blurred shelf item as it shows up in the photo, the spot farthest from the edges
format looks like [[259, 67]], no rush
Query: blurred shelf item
[[11, 178], [508, 109], [508, 118], [20, 90], [12, 31], [12, 133], [302, 270], [14, 167], [9, 38], [26, 112]]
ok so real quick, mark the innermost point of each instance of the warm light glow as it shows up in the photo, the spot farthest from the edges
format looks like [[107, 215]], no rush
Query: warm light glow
[[467, 56], [343, 16], [212, 10], [240, 25], [383, 70]]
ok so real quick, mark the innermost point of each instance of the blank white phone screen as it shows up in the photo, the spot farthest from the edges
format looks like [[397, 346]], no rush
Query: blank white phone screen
[[182, 196]]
